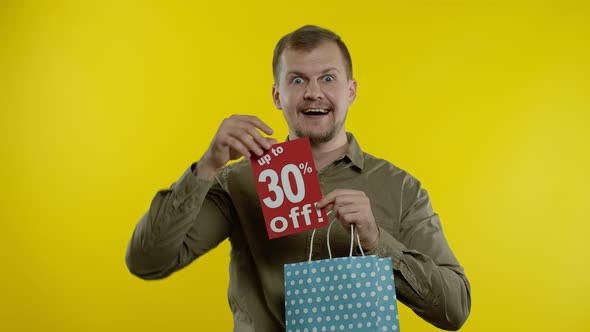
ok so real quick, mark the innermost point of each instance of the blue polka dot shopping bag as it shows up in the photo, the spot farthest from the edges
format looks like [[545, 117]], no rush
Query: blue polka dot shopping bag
[[341, 294]]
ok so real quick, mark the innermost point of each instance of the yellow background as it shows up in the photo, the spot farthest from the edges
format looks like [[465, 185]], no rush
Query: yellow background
[[105, 102]]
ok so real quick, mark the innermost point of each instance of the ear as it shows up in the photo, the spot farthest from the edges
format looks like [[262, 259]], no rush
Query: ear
[[275, 96], [352, 86]]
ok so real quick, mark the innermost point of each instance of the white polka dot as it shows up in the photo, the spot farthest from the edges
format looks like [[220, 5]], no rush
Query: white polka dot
[[314, 310], [354, 315], [335, 278], [319, 319], [358, 265], [313, 290], [345, 296], [341, 327], [373, 293], [318, 299], [323, 289], [369, 324], [345, 316], [388, 318], [289, 273], [318, 280], [350, 326], [368, 304], [331, 268], [392, 307], [384, 328], [305, 271], [339, 267], [337, 317], [344, 276], [358, 305], [301, 281], [350, 306], [348, 266], [331, 288], [296, 311], [363, 275], [309, 300], [315, 329], [394, 327], [353, 275], [309, 280], [309, 320], [381, 308], [328, 318], [292, 302], [289, 292], [305, 310], [341, 307], [300, 301], [353, 295], [327, 298], [292, 282], [340, 287], [367, 284], [314, 270], [364, 314], [373, 314], [323, 308], [359, 325], [389, 287], [368, 264], [336, 297], [372, 274], [305, 291]]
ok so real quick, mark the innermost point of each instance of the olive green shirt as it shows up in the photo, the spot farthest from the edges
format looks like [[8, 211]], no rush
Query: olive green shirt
[[195, 215]]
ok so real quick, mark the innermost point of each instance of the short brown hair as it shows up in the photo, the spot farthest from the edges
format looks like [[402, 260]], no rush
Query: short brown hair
[[307, 38]]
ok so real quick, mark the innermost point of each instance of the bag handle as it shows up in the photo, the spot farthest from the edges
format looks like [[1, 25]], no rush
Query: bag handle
[[352, 234]]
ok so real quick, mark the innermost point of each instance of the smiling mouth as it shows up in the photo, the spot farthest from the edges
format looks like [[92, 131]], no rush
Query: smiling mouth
[[316, 111]]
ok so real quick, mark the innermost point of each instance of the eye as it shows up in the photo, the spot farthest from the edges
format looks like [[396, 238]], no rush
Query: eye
[[297, 80], [328, 78]]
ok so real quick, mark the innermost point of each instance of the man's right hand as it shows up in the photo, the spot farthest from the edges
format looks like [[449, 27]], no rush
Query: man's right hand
[[237, 136]]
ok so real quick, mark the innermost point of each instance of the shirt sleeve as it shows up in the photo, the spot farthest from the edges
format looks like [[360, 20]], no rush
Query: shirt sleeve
[[428, 276], [182, 223]]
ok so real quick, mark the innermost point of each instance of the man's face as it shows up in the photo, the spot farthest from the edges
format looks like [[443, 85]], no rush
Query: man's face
[[314, 92]]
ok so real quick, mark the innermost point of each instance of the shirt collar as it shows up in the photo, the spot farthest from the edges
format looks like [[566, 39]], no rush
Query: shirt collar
[[354, 152]]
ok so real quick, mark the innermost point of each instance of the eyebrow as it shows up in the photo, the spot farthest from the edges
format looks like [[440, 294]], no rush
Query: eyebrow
[[325, 71]]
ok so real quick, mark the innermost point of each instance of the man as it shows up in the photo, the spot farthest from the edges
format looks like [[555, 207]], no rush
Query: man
[[213, 201]]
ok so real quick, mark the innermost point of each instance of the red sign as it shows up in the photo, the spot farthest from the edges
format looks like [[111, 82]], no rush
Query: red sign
[[288, 188]]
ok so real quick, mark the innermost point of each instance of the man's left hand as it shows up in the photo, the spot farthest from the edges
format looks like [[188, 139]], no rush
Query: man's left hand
[[352, 207]]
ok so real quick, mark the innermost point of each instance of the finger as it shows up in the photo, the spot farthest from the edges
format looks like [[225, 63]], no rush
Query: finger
[[348, 209], [260, 140], [236, 144], [257, 123], [347, 200], [337, 193], [244, 137]]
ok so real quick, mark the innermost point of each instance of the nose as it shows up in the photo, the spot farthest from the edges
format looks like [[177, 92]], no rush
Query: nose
[[313, 91]]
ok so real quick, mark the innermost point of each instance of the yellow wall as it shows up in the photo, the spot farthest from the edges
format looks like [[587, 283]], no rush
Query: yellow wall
[[104, 102]]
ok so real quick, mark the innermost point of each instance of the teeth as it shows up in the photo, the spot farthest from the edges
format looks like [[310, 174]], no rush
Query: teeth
[[315, 110]]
